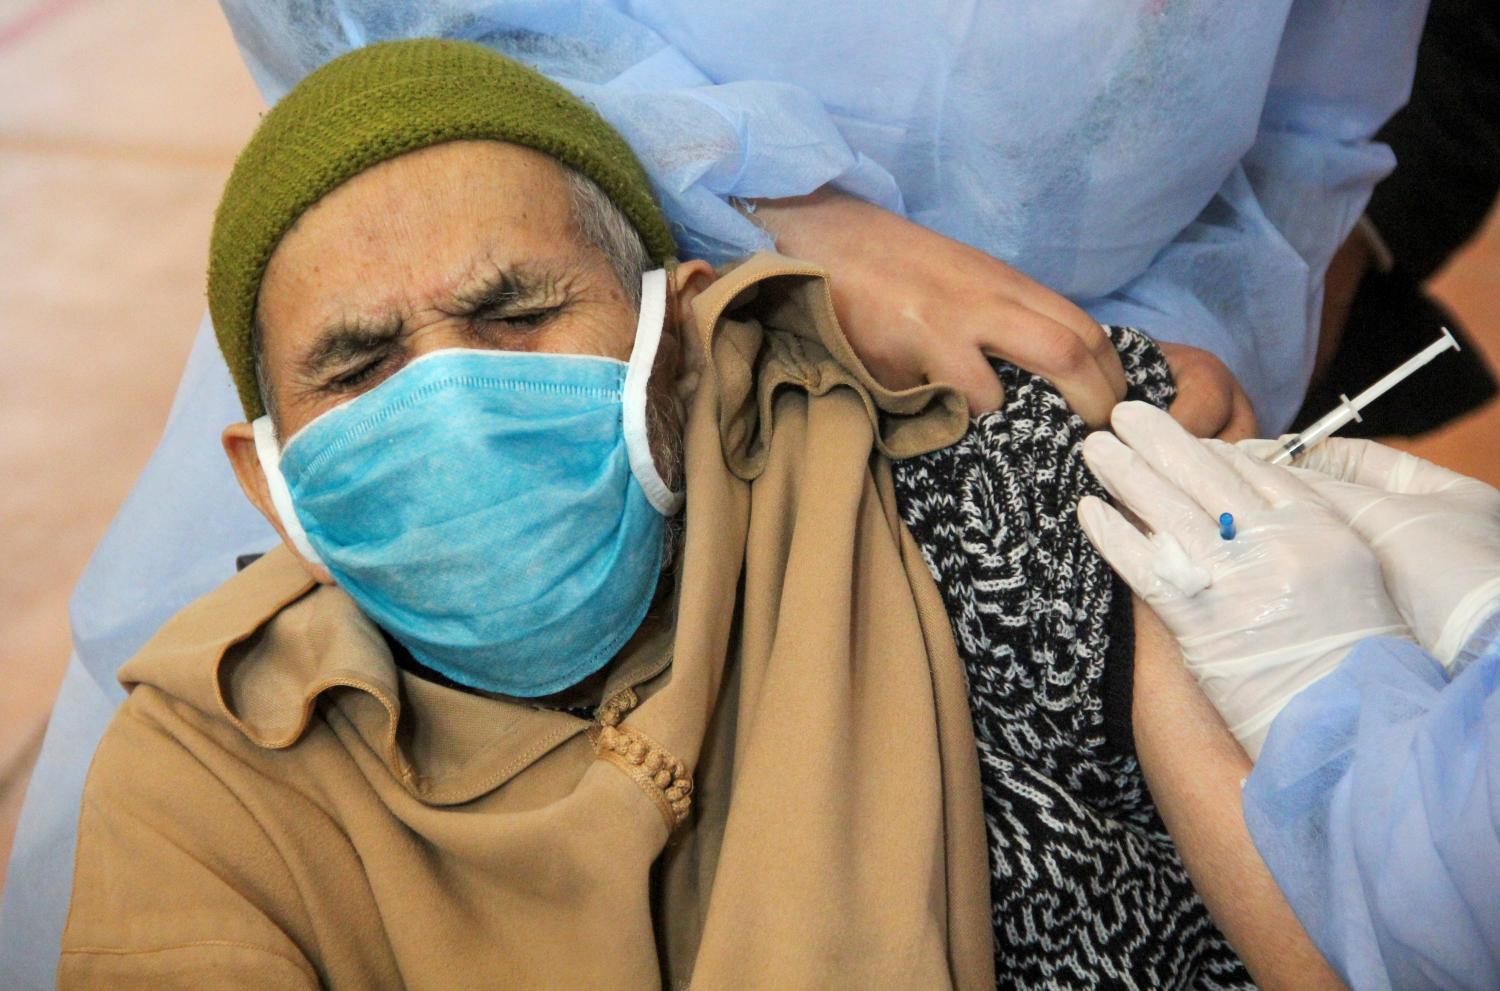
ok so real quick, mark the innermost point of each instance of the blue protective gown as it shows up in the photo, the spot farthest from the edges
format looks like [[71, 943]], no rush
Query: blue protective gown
[[1376, 804], [1175, 165], [1180, 166]]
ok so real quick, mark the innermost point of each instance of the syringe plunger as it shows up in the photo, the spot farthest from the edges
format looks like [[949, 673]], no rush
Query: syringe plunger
[[1349, 408]]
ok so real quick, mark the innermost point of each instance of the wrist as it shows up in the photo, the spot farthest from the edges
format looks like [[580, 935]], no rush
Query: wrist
[[1472, 611], [816, 224], [774, 216]]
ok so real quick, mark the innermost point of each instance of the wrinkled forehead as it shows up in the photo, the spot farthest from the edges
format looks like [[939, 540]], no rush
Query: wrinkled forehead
[[374, 104], [408, 230], [440, 193]]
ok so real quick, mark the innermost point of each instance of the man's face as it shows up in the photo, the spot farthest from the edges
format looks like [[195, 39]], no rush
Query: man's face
[[470, 244]]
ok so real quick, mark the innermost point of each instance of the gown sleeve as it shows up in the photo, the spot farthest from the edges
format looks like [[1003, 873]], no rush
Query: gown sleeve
[[1376, 805], [701, 143]]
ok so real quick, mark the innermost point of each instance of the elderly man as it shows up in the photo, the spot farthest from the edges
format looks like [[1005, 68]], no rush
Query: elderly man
[[496, 714]]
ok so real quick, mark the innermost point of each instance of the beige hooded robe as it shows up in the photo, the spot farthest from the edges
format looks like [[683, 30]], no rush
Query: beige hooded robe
[[778, 790]]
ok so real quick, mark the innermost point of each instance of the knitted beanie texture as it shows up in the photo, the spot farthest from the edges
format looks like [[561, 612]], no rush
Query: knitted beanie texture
[[372, 105]]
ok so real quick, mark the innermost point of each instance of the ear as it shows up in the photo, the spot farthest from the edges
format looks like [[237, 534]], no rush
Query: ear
[[688, 280], [239, 444]]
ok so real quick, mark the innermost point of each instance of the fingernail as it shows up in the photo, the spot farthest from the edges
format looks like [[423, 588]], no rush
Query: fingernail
[[1222, 449], [1135, 415], [1259, 448], [1103, 450], [1091, 517]]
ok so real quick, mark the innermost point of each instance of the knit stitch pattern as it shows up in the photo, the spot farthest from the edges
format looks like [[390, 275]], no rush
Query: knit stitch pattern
[[374, 104], [1087, 889]]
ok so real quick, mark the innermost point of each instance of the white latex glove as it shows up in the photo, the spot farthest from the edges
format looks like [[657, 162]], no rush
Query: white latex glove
[[1436, 532], [1258, 617]]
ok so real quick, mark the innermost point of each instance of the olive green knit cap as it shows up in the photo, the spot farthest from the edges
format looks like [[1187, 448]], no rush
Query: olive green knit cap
[[372, 105]]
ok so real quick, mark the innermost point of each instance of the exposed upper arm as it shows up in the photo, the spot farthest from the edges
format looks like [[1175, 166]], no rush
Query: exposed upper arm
[[1194, 768]]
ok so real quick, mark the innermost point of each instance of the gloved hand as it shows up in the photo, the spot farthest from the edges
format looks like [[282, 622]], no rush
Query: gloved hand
[[1437, 534], [1258, 617]]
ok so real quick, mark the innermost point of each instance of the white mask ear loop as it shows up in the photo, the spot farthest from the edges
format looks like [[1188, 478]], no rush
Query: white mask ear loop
[[637, 378], [269, 452]]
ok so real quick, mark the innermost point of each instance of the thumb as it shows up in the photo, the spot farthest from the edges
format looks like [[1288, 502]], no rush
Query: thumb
[[1366, 462], [1377, 515], [1380, 466], [1351, 460], [1349, 500]]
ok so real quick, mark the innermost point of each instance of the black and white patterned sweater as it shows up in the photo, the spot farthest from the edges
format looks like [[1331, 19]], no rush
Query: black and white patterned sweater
[[1087, 888]]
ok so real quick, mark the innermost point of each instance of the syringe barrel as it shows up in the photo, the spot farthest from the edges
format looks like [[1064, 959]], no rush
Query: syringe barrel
[[1336, 418], [1349, 409]]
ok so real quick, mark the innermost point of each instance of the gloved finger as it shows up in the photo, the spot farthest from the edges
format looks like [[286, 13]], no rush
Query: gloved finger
[[1369, 512], [1380, 466], [1053, 352], [1278, 486], [1351, 460], [1161, 505], [1263, 448], [968, 371], [1182, 459], [1127, 550]]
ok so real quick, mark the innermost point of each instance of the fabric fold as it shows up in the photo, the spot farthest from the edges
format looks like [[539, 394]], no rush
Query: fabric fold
[[793, 802]]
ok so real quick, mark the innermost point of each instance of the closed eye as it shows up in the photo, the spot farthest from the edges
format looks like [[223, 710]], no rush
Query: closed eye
[[359, 376], [525, 320]]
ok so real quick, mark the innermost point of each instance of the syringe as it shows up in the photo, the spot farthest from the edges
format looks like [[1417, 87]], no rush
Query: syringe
[[1349, 408]]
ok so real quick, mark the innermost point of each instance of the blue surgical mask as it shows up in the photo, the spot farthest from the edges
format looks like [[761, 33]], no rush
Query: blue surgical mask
[[498, 513]]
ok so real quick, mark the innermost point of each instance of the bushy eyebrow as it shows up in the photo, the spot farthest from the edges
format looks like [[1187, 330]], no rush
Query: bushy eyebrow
[[498, 288], [341, 343], [344, 342]]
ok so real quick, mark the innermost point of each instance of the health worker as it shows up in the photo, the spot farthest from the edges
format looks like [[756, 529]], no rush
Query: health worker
[[1344, 618]]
